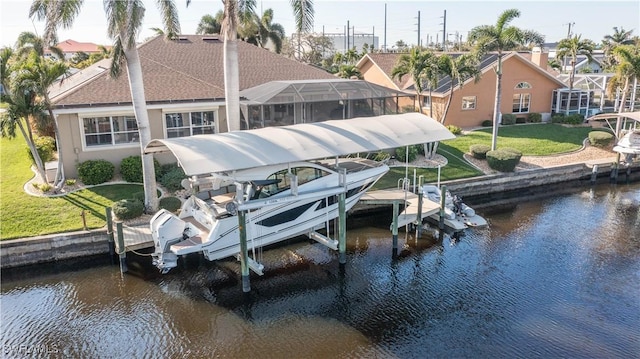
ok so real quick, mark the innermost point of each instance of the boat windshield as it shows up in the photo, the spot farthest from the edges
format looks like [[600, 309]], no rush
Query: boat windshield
[[282, 182]]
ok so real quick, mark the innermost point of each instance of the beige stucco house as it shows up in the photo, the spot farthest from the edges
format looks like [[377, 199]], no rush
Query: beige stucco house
[[184, 89], [526, 88]]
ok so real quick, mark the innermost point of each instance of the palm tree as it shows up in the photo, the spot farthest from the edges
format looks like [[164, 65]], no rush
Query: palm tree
[[349, 72], [38, 75], [124, 19], [415, 64], [628, 69], [210, 24], [269, 31], [236, 11], [571, 48], [21, 105], [459, 69], [610, 42], [501, 37]]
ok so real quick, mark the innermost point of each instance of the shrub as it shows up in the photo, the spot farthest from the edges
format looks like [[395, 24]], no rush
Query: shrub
[[171, 204], [44, 187], [131, 169], [70, 182], [128, 208], [479, 151], [575, 119], [138, 196], [401, 154], [172, 180], [46, 147], [487, 123], [534, 117], [454, 129], [95, 171], [381, 156], [521, 120], [508, 119], [600, 138], [503, 160]]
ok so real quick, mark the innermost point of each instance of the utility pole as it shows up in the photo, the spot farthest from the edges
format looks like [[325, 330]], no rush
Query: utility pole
[[385, 27], [564, 61], [419, 28], [444, 32], [348, 29]]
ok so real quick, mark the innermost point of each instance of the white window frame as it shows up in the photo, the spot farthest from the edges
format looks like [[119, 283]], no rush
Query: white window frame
[[469, 103], [523, 85], [187, 123], [112, 132], [520, 97]]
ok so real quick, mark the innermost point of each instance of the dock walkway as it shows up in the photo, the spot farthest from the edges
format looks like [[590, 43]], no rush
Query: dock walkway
[[410, 212]]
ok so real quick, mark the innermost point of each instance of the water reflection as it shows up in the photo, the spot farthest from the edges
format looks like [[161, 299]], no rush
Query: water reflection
[[558, 277]]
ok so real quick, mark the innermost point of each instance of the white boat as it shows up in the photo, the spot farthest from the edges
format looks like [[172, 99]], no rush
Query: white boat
[[629, 145], [288, 200], [267, 185], [457, 215]]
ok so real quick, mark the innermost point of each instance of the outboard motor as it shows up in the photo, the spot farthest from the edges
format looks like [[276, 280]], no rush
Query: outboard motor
[[166, 230]]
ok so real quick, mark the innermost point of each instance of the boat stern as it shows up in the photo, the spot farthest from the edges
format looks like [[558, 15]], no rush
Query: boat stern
[[166, 229]]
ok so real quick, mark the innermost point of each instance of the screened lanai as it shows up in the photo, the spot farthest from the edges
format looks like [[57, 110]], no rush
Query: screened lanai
[[280, 103]]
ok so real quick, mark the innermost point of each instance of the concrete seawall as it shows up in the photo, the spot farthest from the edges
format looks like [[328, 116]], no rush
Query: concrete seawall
[[54, 247], [50, 248]]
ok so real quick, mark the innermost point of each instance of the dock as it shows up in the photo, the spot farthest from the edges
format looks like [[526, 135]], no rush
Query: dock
[[138, 236], [409, 199]]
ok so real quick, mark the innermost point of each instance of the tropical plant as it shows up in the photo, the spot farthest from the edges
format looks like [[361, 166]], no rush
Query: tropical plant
[[610, 42], [20, 104], [500, 38], [570, 48], [417, 63], [267, 31], [210, 24], [459, 69], [627, 70], [349, 72], [233, 11], [124, 19], [38, 73]]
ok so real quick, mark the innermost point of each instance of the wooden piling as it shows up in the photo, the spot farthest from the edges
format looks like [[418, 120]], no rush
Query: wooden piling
[[342, 228], [443, 201], [244, 254], [109, 216], [122, 253], [419, 219], [394, 225]]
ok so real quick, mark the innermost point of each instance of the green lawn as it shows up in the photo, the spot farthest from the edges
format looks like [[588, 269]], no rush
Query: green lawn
[[22, 215], [532, 140]]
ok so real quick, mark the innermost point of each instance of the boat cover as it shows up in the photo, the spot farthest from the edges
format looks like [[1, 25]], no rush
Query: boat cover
[[236, 150]]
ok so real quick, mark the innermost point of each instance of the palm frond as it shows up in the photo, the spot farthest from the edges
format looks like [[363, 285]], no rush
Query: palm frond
[[303, 14]]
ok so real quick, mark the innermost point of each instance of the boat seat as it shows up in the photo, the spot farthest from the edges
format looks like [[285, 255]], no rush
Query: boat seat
[[223, 198]]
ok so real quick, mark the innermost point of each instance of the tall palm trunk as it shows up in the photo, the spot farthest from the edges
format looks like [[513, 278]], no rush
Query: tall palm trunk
[[58, 182], [231, 81], [134, 72], [34, 152], [572, 75], [496, 107], [448, 104]]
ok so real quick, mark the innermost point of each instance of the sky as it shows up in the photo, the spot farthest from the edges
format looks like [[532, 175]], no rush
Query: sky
[[590, 19]]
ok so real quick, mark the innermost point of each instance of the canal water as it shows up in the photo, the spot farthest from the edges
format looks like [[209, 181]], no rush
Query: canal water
[[551, 277]]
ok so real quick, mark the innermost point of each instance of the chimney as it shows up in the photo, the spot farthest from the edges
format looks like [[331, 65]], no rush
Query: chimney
[[540, 56]]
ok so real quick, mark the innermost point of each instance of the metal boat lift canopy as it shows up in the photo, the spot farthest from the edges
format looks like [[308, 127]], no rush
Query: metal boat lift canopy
[[236, 150]]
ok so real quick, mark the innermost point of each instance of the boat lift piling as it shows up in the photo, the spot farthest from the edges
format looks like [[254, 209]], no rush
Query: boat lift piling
[[443, 199], [394, 225], [244, 253], [122, 252], [109, 217]]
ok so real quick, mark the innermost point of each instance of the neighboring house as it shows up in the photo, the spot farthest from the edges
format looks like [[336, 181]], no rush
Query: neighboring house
[[526, 88], [184, 89], [71, 47]]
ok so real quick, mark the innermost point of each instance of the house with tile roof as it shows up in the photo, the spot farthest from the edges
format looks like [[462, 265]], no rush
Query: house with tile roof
[[71, 47], [526, 88], [184, 89]]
